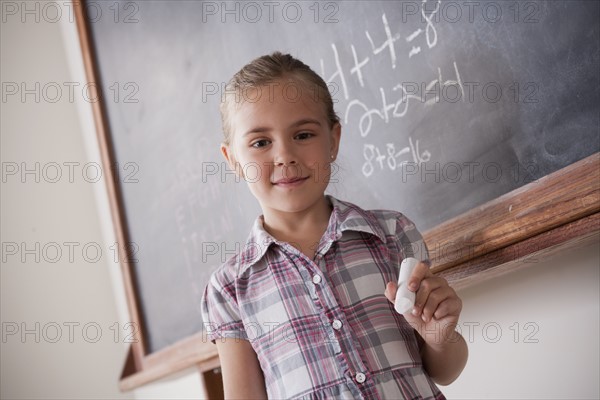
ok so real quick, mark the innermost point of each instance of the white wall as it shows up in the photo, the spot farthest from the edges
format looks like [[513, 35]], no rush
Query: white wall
[[534, 333], [40, 295], [52, 306], [558, 299]]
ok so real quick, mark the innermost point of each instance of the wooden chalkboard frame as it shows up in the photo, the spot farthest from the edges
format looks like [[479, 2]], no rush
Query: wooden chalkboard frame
[[523, 227]]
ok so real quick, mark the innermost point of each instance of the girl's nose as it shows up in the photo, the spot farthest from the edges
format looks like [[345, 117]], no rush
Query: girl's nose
[[284, 156], [283, 162]]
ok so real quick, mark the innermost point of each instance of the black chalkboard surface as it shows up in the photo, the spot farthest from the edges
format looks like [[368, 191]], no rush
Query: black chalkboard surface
[[444, 106]]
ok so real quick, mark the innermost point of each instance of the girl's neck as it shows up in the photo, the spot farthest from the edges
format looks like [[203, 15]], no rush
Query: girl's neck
[[299, 227]]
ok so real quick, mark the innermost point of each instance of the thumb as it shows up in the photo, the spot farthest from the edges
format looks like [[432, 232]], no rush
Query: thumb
[[390, 291]]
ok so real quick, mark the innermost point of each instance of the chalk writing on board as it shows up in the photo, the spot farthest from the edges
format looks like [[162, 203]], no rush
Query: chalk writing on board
[[430, 32], [389, 43], [409, 92], [439, 88], [392, 158], [360, 113]]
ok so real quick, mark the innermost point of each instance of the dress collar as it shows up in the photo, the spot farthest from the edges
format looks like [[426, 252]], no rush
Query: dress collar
[[345, 216]]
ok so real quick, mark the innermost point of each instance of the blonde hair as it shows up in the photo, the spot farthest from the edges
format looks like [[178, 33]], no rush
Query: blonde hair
[[266, 70]]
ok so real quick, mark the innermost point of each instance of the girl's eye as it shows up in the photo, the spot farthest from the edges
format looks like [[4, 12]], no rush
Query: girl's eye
[[304, 135], [260, 143]]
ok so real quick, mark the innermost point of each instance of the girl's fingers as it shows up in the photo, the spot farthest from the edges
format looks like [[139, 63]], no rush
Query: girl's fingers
[[434, 298], [439, 303], [420, 272], [426, 289], [450, 306]]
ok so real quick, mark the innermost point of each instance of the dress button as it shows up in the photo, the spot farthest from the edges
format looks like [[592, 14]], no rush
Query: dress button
[[360, 377], [317, 279], [337, 324]]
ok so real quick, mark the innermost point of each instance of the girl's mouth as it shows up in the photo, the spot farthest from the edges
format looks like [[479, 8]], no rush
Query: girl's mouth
[[290, 182]]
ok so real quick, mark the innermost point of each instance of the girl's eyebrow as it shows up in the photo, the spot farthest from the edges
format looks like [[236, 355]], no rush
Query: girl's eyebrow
[[305, 121], [296, 124]]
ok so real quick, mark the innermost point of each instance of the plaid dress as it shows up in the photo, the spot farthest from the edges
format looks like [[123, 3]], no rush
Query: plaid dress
[[323, 328]]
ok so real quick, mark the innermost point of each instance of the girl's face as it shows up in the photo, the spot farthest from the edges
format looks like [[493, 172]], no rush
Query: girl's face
[[281, 144]]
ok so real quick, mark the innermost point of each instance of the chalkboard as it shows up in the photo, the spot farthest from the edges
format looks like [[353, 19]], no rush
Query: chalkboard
[[444, 107]]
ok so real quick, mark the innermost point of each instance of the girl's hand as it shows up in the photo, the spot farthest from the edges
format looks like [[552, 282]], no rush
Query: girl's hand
[[437, 306]]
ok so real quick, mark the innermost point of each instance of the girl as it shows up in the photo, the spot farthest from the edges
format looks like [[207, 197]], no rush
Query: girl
[[305, 310]]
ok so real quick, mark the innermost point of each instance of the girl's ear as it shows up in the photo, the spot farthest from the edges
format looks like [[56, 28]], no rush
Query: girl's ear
[[229, 157], [336, 133], [226, 153]]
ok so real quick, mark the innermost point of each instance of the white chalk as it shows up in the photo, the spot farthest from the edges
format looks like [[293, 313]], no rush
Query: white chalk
[[405, 299]]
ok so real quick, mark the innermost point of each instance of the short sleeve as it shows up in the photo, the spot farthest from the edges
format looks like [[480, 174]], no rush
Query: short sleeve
[[220, 312], [412, 243]]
